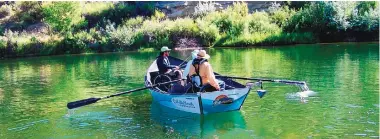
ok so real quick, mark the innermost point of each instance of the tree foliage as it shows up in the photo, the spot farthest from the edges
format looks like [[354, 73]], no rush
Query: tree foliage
[[63, 16]]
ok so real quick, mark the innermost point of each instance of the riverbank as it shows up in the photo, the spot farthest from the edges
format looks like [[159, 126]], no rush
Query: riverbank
[[124, 26], [148, 50]]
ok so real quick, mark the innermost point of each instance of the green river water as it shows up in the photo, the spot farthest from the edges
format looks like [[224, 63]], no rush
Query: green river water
[[34, 93]]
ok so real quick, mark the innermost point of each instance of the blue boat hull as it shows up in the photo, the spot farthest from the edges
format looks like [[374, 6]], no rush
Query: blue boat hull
[[203, 103]]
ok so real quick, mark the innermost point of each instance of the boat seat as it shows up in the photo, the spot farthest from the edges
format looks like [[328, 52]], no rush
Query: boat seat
[[195, 88]]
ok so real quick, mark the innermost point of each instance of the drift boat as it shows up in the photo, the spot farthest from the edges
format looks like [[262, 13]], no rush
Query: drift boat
[[229, 99], [231, 96]]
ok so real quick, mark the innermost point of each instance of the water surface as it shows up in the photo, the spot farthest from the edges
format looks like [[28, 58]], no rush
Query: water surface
[[34, 93]]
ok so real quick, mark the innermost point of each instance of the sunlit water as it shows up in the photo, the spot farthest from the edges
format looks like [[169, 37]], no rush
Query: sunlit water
[[34, 93]]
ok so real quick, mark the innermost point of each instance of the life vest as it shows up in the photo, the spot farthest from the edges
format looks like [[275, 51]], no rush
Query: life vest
[[196, 78]]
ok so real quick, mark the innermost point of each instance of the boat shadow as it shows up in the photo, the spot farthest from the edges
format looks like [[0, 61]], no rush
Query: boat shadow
[[196, 125]]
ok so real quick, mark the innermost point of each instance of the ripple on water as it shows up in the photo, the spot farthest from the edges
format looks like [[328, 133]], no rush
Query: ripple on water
[[360, 134], [329, 127], [27, 125], [367, 130], [84, 124], [353, 106]]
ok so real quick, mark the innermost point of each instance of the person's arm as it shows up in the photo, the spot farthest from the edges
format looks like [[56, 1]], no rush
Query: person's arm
[[167, 64], [191, 70], [211, 77]]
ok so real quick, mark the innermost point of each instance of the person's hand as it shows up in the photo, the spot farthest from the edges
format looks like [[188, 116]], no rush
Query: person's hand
[[176, 68]]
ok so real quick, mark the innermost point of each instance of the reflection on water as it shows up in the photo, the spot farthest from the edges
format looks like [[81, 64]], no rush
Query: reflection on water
[[195, 125], [34, 93]]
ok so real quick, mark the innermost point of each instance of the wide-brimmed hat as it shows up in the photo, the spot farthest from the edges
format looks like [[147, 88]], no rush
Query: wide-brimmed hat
[[203, 54], [165, 48], [194, 54]]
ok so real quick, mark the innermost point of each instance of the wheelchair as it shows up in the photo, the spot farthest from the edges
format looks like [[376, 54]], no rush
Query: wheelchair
[[156, 77]]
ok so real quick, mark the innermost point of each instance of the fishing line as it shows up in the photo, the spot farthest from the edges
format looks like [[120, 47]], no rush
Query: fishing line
[[184, 61]]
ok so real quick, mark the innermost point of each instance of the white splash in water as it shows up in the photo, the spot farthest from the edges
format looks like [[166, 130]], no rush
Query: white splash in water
[[308, 93], [69, 113]]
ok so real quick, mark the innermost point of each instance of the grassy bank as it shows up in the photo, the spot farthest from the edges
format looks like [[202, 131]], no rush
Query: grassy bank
[[91, 27]]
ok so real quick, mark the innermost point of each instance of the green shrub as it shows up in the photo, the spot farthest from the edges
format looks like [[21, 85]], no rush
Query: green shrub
[[122, 36], [367, 21], [158, 15], [208, 32], [185, 27], [154, 33], [97, 8], [259, 22], [29, 11], [365, 6], [62, 16], [5, 10], [289, 38], [121, 11], [281, 16], [133, 22], [312, 18], [238, 8]]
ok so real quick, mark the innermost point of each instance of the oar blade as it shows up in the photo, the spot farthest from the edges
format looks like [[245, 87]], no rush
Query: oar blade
[[81, 103], [261, 93]]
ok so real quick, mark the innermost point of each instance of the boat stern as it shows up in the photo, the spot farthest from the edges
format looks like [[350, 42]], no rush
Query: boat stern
[[226, 100]]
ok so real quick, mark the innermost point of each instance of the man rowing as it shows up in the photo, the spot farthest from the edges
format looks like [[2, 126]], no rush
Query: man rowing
[[164, 66]]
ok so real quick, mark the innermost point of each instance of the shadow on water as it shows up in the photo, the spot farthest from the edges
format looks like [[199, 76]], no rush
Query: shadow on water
[[190, 125]]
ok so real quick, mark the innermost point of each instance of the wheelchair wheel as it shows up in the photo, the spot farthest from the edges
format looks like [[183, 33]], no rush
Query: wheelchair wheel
[[162, 79]]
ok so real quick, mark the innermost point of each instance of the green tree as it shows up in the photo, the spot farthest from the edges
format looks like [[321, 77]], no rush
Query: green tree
[[63, 16], [365, 6]]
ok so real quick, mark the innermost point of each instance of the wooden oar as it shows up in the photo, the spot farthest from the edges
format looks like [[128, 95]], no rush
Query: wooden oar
[[262, 79], [80, 103]]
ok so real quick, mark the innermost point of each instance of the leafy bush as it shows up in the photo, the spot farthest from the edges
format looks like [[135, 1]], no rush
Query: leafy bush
[[366, 6], [154, 33], [29, 11], [158, 15], [339, 12], [281, 15], [239, 8], [133, 22], [97, 8], [289, 38], [259, 22], [121, 11], [5, 10], [367, 21], [312, 18], [183, 27], [62, 16], [208, 32], [122, 36]]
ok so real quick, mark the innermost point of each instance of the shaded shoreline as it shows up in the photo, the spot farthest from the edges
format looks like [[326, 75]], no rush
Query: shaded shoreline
[[185, 49]]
